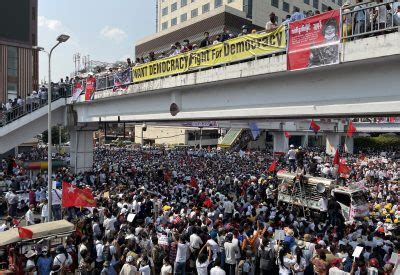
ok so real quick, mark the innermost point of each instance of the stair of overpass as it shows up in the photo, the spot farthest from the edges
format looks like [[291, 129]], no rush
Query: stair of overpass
[[25, 122], [230, 138]]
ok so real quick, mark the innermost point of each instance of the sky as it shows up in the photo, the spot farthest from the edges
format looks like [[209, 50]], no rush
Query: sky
[[105, 30]]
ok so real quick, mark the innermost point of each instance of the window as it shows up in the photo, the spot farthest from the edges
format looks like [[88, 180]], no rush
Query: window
[[294, 8], [164, 11], [164, 25], [11, 91], [217, 3], [316, 4], [194, 13], [248, 8], [183, 3], [12, 61], [340, 2], [307, 2], [174, 21], [275, 3], [342, 198], [286, 7], [174, 7], [324, 7], [206, 8], [183, 17], [230, 1]]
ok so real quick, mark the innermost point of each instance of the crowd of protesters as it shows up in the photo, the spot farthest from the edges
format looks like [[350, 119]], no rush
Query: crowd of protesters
[[213, 212], [13, 109]]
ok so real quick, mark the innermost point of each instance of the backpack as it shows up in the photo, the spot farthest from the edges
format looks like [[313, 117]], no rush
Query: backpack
[[266, 259], [107, 256]]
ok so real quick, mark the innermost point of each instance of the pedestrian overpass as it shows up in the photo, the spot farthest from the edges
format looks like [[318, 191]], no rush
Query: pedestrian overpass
[[364, 84]]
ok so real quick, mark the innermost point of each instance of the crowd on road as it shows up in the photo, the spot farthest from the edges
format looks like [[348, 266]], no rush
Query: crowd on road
[[215, 212]]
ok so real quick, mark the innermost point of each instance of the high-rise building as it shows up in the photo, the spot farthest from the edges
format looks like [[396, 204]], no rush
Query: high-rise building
[[177, 20], [18, 57], [173, 12]]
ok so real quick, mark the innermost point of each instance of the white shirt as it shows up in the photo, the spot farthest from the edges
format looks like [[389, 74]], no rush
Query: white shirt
[[166, 270], [292, 154], [216, 270], [195, 241], [29, 217], [145, 270], [182, 253], [202, 268], [228, 206], [214, 248], [61, 260], [56, 197], [323, 204], [231, 250], [99, 252], [45, 210]]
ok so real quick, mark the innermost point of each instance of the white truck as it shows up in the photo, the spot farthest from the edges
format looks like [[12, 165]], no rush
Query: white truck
[[353, 201]]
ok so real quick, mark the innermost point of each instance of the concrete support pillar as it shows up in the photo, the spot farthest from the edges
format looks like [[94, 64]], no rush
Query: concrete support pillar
[[81, 150], [349, 145], [332, 142], [281, 143]]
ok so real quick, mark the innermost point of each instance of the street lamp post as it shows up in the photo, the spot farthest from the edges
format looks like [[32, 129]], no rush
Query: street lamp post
[[60, 39]]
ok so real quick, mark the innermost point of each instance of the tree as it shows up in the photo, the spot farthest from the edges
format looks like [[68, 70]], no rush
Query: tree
[[55, 135]]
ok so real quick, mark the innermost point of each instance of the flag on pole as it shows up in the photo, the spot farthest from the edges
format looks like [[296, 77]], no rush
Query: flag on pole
[[287, 135], [336, 159], [272, 167], [351, 129], [73, 196], [77, 90], [255, 131], [343, 168], [25, 233], [314, 126]]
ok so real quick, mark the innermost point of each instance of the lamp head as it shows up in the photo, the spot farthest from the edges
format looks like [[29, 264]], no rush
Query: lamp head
[[62, 38]]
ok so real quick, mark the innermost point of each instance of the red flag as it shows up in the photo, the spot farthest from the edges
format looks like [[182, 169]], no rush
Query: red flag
[[287, 135], [336, 159], [351, 129], [314, 126], [343, 169], [208, 203], [272, 167], [25, 233], [392, 119], [73, 196]]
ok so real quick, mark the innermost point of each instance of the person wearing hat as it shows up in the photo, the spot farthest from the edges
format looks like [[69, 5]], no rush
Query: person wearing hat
[[245, 30], [129, 267], [30, 267], [44, 261]]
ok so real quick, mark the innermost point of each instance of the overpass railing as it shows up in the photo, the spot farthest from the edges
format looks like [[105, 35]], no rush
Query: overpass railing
[[8, 116], [358, 21]]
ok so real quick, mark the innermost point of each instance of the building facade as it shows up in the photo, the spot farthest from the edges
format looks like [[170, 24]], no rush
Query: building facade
[[18, 56], [173, 12]]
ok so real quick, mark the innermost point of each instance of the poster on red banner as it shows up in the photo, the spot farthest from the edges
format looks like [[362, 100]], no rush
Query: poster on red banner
[[90, 88], [314, 41]]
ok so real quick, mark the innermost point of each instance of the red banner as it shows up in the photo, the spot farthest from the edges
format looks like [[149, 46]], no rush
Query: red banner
[[90, 88], [314, 41]]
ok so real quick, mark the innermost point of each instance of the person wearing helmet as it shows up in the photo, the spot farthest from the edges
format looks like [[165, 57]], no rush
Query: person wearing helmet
[[292, 158]]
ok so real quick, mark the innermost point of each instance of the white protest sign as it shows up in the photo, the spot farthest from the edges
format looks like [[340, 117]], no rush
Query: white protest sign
[[357, 251], [131, 217], [279, 235]]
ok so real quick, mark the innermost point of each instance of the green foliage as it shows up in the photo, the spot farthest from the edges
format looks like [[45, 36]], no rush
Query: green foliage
[[382, 142], [55, 135]]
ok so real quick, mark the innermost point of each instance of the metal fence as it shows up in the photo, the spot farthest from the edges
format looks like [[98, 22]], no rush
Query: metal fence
[[370, 19], [8, 116]]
